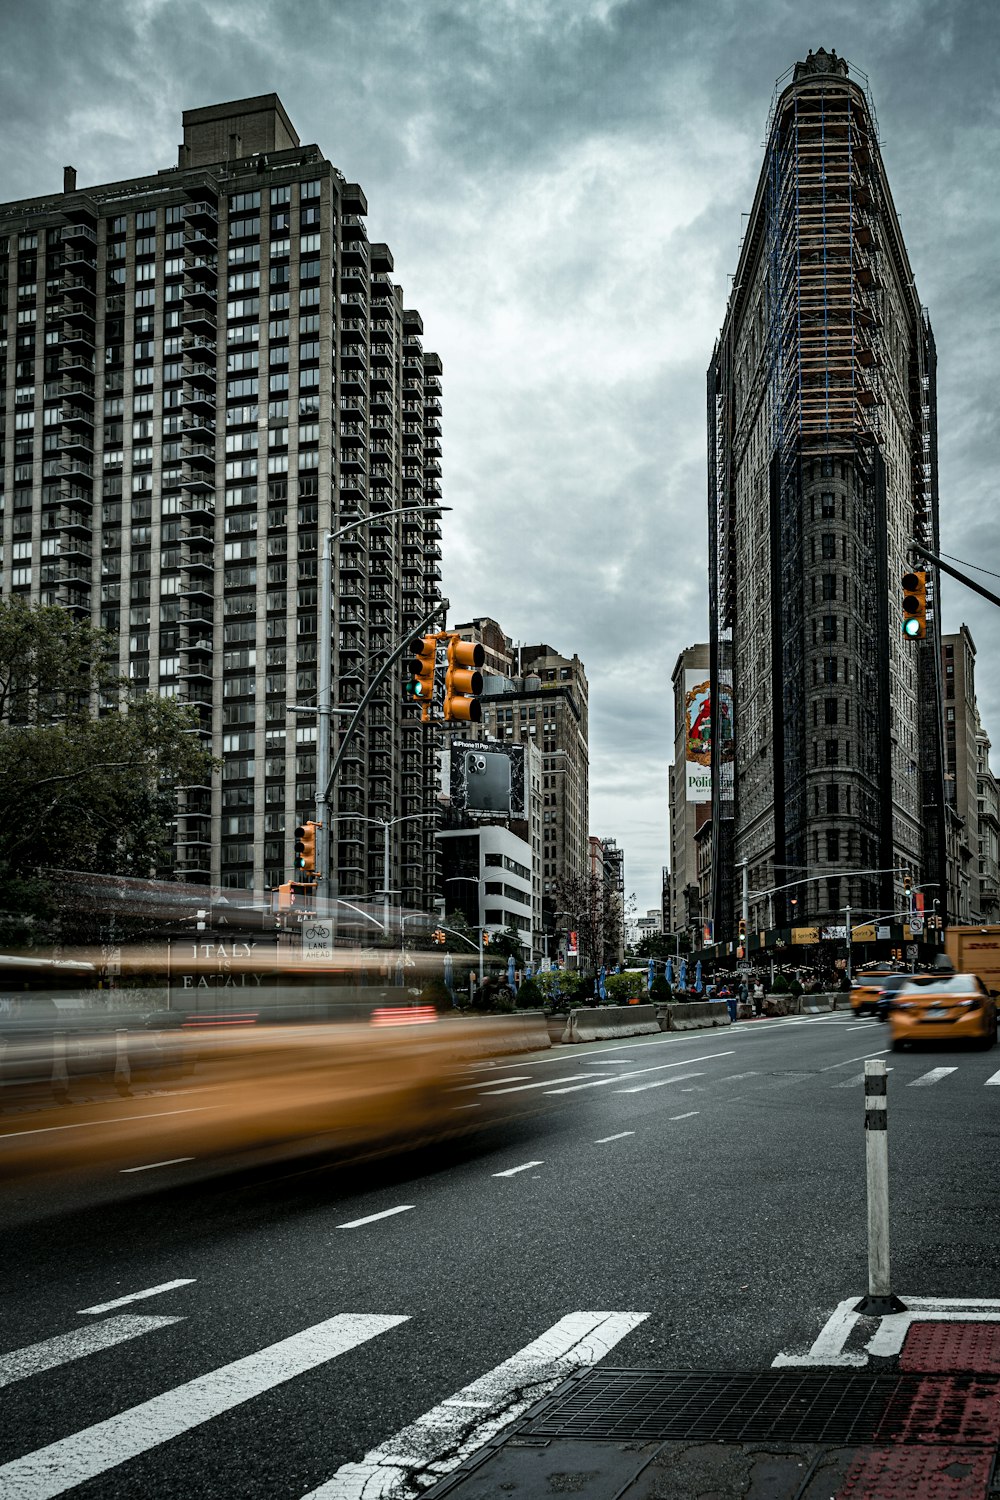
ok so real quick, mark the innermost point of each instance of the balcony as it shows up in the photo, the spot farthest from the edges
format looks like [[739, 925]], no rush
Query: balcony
[[77, 416], [200, 537], [202, 215], [197, 481], [79, 234], [198, 400], [78, 337], [81, 442], [78, 392], [199, 455], [200, 270], [199, 316], [76, 364]]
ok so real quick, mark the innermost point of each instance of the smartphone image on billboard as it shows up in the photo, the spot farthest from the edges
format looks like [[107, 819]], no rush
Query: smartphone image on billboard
[[487, 780]]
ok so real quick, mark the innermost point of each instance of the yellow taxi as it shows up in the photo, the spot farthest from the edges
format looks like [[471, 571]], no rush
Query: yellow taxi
[[942, 1007], [869, 986]]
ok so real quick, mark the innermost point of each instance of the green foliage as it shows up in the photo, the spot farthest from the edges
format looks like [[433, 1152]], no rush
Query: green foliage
[[621, 988], [435, 992], [79, 792], [529, 996], [794, 988], [655, 945], [780, 985], [459, 936], [661, 992], [506, 944]]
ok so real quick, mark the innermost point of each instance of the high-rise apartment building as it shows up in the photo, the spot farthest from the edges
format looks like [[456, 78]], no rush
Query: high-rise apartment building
[[970, 789], [826, 722], [207, 368]]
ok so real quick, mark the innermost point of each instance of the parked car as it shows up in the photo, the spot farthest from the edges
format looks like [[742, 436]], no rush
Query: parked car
[[942, 1007]]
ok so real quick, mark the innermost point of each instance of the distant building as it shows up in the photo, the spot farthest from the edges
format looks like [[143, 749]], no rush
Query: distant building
[[690, 788], [970, 790]]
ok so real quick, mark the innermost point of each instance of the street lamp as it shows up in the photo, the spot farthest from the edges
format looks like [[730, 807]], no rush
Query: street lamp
[[385, 824]]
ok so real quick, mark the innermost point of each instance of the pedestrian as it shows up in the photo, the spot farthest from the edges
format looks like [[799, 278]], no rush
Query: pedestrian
[[743, 992], [758, 998]]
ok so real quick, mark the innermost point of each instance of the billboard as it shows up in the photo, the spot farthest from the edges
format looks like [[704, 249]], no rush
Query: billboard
[[487, 778], [697, 736]]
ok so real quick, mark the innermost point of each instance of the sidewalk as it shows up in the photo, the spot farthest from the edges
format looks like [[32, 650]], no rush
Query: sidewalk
[[925, 1427]]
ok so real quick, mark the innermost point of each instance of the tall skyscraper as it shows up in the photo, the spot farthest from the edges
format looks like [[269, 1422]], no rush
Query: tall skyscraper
[[689, 789], [207, 368], [826, 742]]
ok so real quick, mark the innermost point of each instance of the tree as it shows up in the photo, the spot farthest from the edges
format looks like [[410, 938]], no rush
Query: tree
[[598, 916], [654, 945], [78, 791], [506, 944]]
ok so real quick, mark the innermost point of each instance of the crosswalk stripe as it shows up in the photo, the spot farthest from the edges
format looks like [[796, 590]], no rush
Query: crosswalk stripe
[[637, 1072], [851, 1083], [994, 1079], [94, 1450], [419, 1455], [934, 1076], [34, 1358], [657, 1083]]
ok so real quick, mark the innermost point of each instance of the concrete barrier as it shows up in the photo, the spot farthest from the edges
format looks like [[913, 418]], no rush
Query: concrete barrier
[[817, 1004], [694, 1015], [497, 1036], [607, 1021]]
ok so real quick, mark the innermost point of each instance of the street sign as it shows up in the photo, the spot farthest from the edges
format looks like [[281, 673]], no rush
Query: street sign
[[916, 924], [911, 953], [317, 939]]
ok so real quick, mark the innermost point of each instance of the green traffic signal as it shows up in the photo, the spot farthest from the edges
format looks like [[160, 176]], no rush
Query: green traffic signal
[[911, 627]]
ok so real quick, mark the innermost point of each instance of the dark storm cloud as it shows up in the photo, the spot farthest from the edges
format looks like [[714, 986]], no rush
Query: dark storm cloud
[[562, 185]]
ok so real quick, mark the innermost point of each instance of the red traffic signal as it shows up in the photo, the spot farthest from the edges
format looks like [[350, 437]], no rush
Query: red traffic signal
[[463, 681]]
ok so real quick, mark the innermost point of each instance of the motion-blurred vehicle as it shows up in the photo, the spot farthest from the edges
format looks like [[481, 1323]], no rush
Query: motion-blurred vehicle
[[942, 1007], [975, 950], [887, 987], [868, 986]]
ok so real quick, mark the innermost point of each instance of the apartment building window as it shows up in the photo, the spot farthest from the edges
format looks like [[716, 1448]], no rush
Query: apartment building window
[[832, 844], [832, 752]]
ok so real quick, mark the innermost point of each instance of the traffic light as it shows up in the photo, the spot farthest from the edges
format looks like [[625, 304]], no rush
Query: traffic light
[[305, 848], [914, 585], [438, 934], [419, 686], [286, 896], [463, 681], [741, 946], [486, 940]]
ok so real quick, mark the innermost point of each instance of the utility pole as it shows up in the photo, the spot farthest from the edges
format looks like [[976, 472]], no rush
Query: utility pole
[[847, 913]]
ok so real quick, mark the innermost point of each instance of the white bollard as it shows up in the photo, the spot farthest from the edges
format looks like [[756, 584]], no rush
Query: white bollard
[[880, 1299], [60, 1077]]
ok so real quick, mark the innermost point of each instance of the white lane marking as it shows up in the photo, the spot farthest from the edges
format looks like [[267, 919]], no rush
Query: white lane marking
[[595, 1083], [603, 1139], [617, 1062], [173, 1162], [994, 1079], [153, 1114], [94, 1450], [735, 1077], [658, 1083], [848, 1060], [543, 1083], [867, 1026], [152, 1291], [417, 1456], [934, 1076], [851, 1083], [518, 1078], [828, 1348], [20, 1363], [687, 1116], [524, 1167], [386, 1213]]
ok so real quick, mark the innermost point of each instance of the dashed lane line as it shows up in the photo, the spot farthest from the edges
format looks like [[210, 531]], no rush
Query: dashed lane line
[[602, 1140], [848, 1060], [150, 1165], [524, 1167], [934, 1076], [150, 1291], [638, 1072], [690, 1114], [658, 1083], [387, 1213]]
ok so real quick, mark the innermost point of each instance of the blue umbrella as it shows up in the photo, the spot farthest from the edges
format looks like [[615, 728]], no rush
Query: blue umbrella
[[449, 970], [649, 976], [682, 978], [399, 972], [670, 971], [510, 971], [618, 968], [697, 976], [602, 989], [527, 972]]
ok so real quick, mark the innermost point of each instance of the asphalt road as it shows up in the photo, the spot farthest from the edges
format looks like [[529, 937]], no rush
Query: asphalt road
[[707, 1189]]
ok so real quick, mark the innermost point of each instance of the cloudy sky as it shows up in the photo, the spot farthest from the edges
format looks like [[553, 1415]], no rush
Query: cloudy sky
[[561, 183]]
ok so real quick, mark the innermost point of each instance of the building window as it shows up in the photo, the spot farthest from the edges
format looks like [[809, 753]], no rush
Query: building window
[[832, 752], [832, 844]]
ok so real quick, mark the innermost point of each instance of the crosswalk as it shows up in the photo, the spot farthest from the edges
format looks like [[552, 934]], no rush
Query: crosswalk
[[402, 1467]]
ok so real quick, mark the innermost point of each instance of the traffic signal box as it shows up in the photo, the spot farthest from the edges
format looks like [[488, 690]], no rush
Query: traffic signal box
[[914, 586], [305, 848], [419, 687], [463, 681], [742, 945]]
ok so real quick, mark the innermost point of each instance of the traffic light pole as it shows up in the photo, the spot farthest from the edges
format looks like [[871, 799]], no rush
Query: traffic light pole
[[325, 781], [977, 588]]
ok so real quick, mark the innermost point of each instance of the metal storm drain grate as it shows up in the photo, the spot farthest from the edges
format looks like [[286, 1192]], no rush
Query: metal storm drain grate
[[794, 1406]]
